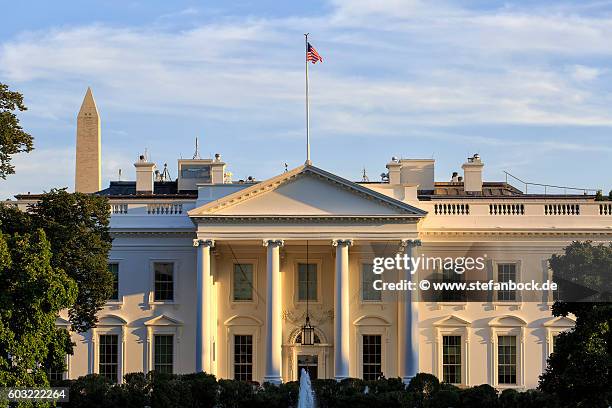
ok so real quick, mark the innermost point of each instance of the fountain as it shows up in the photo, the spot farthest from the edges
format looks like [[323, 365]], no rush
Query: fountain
[[306, 396]]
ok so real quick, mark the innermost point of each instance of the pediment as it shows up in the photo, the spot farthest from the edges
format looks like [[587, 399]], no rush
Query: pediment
[[112, 320], [307, 191], [560, 321], [163, 320], [452, 321], [507, 321], [237, 320], [371, 320]]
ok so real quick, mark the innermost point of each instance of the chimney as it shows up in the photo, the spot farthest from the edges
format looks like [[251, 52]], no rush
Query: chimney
[[472, 174], [144, 175], [394, 167]]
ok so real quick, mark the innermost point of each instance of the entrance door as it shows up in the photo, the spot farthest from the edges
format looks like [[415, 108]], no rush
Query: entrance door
[[310, 364]]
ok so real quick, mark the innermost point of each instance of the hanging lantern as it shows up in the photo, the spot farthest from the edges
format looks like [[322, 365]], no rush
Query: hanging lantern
[[307, 333]]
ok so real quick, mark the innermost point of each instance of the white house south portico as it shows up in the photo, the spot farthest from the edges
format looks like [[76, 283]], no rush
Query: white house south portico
[[337, 218]]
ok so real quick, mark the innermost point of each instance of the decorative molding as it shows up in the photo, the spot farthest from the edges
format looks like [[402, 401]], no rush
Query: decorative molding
[[317, 319], [551, 233], [405, 243]]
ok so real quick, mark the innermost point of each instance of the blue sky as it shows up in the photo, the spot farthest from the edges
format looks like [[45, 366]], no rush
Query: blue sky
[[527, 85]]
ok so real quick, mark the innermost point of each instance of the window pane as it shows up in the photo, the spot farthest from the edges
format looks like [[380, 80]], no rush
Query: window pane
[[243, 358], [307, 280], [243, 282], [506, 359], [372, 357], [451, 295], [163, 353], [108, 355], [367, 279], [506, 273], [164, 281], [451, 359], [114, 269]]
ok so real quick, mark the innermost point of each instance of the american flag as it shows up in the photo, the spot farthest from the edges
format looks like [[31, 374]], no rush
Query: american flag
[[312, 55]]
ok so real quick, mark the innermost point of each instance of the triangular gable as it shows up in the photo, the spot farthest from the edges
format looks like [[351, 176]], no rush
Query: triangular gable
[[307, 191], [452, 321], [163, 320], [560, 321]]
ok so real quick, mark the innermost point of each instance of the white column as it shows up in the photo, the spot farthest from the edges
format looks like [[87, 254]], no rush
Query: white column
[[203, 308], [409, 327], [341, 305], [273, 313]]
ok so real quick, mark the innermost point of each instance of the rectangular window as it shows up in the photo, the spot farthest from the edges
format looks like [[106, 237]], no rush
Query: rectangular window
[[368, 293], [109, 356], [506, 273], [307, 279], [55, 375], [451, 294], [506, 359], [164, 281], [372, 356], [451, 359], [113, 268], [243, 282], [243, 357], [164, 353]]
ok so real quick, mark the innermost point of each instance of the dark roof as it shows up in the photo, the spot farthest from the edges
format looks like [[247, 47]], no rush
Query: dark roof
[[161, 189]]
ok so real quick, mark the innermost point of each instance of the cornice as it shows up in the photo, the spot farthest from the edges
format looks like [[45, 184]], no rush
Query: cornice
[[222, 219], [542, 233]]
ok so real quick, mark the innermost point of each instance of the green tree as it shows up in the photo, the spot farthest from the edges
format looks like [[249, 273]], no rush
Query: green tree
[[77, 227], [33, 292], [13, 139], [579, 371]]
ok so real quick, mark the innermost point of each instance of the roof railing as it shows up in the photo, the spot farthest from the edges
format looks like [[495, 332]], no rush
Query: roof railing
[[547, 186]]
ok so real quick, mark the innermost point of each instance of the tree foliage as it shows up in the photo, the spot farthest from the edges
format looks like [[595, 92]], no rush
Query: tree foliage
[[579, 371], [33, 292], [77, 227], [13, 139]]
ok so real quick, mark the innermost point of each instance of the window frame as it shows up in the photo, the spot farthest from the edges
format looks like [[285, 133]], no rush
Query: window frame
[[119, 301], [453, 326], [518, 274], [517, 330], [460, 355], [172, 354], [118, 357], [175, 281], [253, 356], [296, 276], [363, 363], [254, 289], [514, 364], [362, 264]]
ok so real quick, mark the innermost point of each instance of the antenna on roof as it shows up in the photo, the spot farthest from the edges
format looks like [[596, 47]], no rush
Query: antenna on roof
[[165, 176], [364, 177], [286, 167], [196, 154], [119, 174]]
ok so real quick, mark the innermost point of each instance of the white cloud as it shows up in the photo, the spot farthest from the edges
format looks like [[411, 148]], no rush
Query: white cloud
[[389, 66]]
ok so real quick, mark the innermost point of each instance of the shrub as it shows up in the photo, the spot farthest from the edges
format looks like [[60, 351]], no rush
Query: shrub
[[483, 396], [422, 386]]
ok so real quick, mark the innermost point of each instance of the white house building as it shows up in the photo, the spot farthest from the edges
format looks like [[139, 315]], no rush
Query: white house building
[[217, 275]]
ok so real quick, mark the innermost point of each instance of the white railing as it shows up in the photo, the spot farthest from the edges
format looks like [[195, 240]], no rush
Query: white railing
[[119, 209], [506, 209], [605, 209], [452, 209], [562, 209], [165, 209]]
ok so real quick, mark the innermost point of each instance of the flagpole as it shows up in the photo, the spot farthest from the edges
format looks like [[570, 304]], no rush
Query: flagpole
[[307, 106]]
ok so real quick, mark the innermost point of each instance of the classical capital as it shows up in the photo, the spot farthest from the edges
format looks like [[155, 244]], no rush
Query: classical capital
[[405, 243], [342, 242], [204, 242], [273, 242]]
